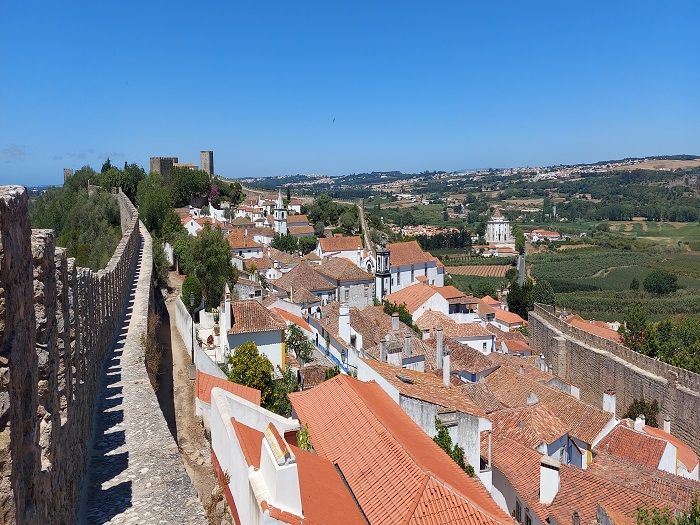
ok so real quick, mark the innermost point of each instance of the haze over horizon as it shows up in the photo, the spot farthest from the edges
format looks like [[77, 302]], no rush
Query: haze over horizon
[[277, 89]]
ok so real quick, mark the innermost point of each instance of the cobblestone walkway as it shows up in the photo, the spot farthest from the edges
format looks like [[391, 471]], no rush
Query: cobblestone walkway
[[134, 471]]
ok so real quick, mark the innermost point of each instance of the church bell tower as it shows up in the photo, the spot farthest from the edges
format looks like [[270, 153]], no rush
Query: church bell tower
[[382, 274], [280, 215]]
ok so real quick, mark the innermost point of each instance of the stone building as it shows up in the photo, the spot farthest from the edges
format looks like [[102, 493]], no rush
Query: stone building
[[498, 231]]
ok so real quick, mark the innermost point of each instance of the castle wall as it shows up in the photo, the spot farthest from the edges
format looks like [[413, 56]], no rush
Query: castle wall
[[56, 323], [595, 364]]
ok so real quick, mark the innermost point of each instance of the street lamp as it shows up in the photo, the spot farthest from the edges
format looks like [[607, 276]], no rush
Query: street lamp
[[193, 369]]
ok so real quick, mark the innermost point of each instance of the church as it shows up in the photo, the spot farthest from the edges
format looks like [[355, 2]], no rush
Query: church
[[498, 232]]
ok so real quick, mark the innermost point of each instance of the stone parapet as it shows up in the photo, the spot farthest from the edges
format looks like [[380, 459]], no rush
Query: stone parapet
[[596, 364]]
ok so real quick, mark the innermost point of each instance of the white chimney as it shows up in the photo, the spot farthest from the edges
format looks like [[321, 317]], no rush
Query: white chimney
[[532, 398], [610, 401], [667, 425], [446, 368], [549, 479], [344, 323], [382, 351], [394, 321], [407, 345], [225, 319], [639, 422], [279, 472], [521, 370], [438, 337]]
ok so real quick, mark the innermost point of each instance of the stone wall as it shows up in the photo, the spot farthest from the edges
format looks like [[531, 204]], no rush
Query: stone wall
[[57, 321], [595, 364]]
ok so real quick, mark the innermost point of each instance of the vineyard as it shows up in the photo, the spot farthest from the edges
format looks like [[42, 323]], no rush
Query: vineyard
[[492, 270]]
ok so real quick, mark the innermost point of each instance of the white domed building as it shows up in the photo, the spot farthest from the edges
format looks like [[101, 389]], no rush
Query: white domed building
[[498, 232]]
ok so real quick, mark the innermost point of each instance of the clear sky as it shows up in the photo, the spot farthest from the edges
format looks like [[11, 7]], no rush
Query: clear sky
[[281, 87]]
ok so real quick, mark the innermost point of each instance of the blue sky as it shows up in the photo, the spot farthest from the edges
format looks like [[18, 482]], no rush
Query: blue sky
[[412, 86]]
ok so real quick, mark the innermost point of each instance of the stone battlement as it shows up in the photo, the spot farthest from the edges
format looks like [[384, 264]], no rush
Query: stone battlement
[[57, 322], [596, 364]]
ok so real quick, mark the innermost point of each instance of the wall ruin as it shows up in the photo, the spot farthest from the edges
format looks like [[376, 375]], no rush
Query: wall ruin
[[595, 364], [57, 322]]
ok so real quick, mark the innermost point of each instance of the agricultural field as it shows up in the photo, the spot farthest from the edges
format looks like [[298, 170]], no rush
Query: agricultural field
[[489, 270]]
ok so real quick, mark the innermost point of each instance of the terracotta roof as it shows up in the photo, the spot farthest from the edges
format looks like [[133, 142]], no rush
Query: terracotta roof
[[395, 471], [301, 230], [319, 484], [311, 256], [342, 269], [426, 387], [512, 389], [330, 321], [340, 244], [313, 375], [206, 382], [404, 253], [495, 303], [524, 365], [251, 316], [303, 276], [297, 219], [303, 296], [432, 319], [485, 308], [636, 447], [530, 425], [292, 319], [593, 328], [579, 490], [241, 221], [517, 346], [685, 453], [238, 239], [507, 336], [509, 317], [480, 394], [413, 296]]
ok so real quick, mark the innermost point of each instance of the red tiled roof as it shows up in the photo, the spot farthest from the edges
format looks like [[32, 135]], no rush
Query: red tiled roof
[[303, 276], [685, 453], [531, 425], [403, 253], [634, 446], [426, 387], [238, 239], [432, 319], [297, 219], [517, 346], [206, 382], [301, 230], [292, 319], [342, 269], [413, 296], [593, 328], [585, 422], [509, 318], [387, 460], [251, 316], [491, 301], [340, 244], [480, 395], [319, 484]]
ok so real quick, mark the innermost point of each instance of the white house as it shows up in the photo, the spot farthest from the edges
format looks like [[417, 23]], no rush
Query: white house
[[472, 334], [345, 247], [409, 263], [419, 298], [243, 245]]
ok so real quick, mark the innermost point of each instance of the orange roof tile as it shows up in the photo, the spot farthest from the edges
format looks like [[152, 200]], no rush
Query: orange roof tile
[[206, 382], [292, 319], [432, 319], [342, 269], [238, 239], [404, 253], [319, 484], [387, 460], [530, 425], [251, 316], [593, 328], [304, 276], [413, 296], [301, 230], [340, 244], [685, 453], [481, 396], [509, 318], [495, 303], [297, 219], [636, 447]]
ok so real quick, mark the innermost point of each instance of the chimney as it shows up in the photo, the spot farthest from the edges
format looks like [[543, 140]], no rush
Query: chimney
[[667, 425], [291, 293], [225, 318], [521, 370], [382, 351], [344, 323], [438, 337], [407, 345], [549, 479], [446, 368], [278, 470], [394, 321], [639, 422], [532, 398], [609, 401]]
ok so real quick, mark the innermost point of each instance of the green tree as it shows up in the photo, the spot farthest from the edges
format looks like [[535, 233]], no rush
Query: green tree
[[172, 226], [304, 438], [511, 273], [279, 400], [186, 183], [650, 409], [298, 343], [519, 236], [331, 372], [285, 243], [319, 228], [106, 166], [404, 316], [456, 452], [660, 282], [520, 298], [306, 244], [247, 367], [636, 333], [634, 285], [542, 292], [154, 202], [482, 289], [160, 265], [191, 285], [211, 261]]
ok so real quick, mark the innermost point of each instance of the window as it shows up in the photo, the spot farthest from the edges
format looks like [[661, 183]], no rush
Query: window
[[483, 347], [518, 511], [398, 277], [366, 291], [413, 274], [347, 294]]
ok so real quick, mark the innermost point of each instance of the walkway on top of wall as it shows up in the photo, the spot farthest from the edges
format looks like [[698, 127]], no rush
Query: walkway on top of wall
[[134, 471]]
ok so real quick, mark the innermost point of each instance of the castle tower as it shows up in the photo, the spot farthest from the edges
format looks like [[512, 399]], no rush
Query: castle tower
[[206, 162], [382, 274], [67, 174], [280, 215], [163, 165]]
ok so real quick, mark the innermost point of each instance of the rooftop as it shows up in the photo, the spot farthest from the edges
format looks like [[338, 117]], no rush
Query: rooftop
[[593, 327], [251, 316], [238, 239], [432, 319], [404, 253], [342, 269], [206, 382], [530, 425], [340, 244], [303, 276], [413, 296], [634, 446]]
